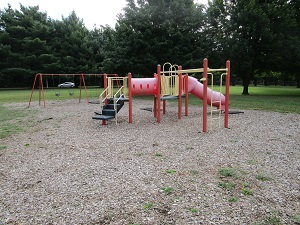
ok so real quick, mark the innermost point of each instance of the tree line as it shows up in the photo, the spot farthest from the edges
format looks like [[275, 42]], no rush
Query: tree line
[[261, 38]]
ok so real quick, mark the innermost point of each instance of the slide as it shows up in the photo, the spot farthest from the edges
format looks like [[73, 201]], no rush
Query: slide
[[144, 86], [196, 88], [147, 86]]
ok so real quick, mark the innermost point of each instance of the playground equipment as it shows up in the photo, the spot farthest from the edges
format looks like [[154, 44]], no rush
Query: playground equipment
[[111, 102], [38, 80], [163, 86]]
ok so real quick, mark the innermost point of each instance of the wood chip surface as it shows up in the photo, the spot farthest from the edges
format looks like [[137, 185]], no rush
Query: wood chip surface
[[65, 168]]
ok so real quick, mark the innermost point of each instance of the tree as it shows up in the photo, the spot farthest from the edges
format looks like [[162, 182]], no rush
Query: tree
[[96, 41], [71, 43], [109, 47], [290, 45], [151, 32], [23, 36], [251, 34]]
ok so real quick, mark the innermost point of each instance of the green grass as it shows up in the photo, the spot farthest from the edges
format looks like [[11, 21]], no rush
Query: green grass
[[194, 210], [296, 219], [49, 94], [158, 155], [148, 206], [246, 191], [194, 172], [274, 220], [9, 114], [9, 121], [226, 185], [263, 177], [233, 199], [269, 98], [9, 117], [227, 172], [171, 171], [233, 181], [2, 147], [167, 190]]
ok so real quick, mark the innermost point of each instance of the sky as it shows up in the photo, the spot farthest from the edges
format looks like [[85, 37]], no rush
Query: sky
[[93, 12]]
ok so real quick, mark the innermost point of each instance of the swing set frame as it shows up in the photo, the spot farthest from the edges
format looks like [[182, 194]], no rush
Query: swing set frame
[[39, 78]]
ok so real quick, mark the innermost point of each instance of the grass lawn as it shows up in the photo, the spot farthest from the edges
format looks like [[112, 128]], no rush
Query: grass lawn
[[270, 98]]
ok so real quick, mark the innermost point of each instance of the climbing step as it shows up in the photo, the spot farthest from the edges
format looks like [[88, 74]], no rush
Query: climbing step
[[108, 111], [103, 117]]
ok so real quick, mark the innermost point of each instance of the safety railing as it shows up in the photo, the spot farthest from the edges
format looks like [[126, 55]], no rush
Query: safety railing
[[117, 98], [103, 96], [169, 80], [213, 99]]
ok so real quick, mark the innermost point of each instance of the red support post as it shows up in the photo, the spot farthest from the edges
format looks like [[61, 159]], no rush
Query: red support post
[[105, 86], [155, 102], [32, 90], [154, 106], [105, 94], [86, 94], [227, 94], [158, 93], [41, 90], [80, 85], [180, 94], [205, 68], [130, 96]]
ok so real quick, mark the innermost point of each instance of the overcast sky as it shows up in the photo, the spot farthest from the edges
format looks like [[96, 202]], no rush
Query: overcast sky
[[93, 12]]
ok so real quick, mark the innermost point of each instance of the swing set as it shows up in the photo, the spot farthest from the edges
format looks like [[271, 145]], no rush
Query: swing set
[[57, 91], [38, 80]]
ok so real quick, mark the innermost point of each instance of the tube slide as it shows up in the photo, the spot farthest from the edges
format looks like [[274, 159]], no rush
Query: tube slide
[[148, 86], [144, 86], [196, 88]]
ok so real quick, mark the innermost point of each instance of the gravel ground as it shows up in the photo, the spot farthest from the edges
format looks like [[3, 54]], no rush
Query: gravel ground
[[69, 169]]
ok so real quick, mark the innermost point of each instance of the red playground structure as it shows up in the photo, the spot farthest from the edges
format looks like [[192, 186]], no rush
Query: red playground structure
[[165, 85], [174, 83]]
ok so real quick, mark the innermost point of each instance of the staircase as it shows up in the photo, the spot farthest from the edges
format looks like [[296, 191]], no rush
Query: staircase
[[110, 110]]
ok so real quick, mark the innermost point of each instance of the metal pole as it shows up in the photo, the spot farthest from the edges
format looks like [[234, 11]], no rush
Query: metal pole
[[105, 86], [155, 101], [42, 85], [158, 93], [32, 90], [86, 94], [180, 94]]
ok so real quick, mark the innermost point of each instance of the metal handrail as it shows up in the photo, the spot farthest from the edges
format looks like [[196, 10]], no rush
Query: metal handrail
[[116, 100], [101, 99]]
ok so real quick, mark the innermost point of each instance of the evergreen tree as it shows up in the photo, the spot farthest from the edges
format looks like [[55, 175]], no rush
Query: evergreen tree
[[71, 44], [23, 36], [152, 32], [251, 33]]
